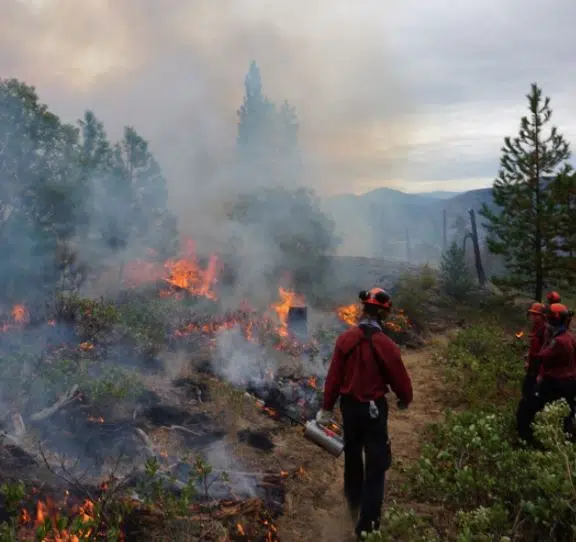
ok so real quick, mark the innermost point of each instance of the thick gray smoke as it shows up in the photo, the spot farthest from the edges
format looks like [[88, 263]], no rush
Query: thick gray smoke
[[176, 71]]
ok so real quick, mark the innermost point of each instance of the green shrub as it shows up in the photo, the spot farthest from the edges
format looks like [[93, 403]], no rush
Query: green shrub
[[101, 383], [457, 279], [413, 293], [484, 366], [92, 318], [495, 489], [400, 525]]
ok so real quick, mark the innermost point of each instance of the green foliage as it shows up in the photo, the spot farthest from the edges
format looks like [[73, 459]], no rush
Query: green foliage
[[483, 365], [101, 383], [524, 227], [564, 193], [155, 490], [456, 277], [63, 185], [400, 525], [470, 466], [93, 318], [40, 189], [413, 293]]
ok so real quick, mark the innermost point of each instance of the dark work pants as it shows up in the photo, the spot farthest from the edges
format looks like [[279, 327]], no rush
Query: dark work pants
[[364, 483], [547, 391], [528, 384]]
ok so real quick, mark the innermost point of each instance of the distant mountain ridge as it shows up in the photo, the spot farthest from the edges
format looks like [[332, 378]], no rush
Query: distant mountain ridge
[[388, 220]]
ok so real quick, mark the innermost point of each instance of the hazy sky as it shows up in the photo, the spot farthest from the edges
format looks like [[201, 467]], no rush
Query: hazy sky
[[412, 94]]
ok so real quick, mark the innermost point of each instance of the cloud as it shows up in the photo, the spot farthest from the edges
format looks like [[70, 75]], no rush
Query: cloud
[[388, 93]]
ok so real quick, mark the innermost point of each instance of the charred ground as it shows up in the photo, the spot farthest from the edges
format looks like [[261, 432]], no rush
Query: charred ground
[[160, 411]]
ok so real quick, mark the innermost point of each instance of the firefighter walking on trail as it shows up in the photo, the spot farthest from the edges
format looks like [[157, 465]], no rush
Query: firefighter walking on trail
[[365, 363], [538, 338], [557, 376]]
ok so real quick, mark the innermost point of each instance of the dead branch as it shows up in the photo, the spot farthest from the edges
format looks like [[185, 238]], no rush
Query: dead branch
[[150, 448], [62, 402], [185, 429], [18, 423], [11, 438], [66, 477]]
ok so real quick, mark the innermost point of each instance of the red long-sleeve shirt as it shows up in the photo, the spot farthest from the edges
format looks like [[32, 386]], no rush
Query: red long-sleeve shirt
[[538, 338], [358, 375], [559, 357]]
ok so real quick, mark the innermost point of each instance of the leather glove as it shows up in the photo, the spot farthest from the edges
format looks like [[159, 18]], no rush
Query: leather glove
[[324, 417]]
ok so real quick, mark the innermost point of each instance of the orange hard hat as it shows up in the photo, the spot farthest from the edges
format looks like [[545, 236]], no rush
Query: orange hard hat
[[377, 297], [553, 297], [558, 312], [536, 308]]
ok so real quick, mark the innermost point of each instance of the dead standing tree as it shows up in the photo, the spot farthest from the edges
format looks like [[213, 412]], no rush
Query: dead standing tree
[[473, 235]]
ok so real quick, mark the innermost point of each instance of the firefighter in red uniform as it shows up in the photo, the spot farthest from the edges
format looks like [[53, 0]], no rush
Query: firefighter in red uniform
[[553, 297], [558, 375], [538, 337], [365, 363]]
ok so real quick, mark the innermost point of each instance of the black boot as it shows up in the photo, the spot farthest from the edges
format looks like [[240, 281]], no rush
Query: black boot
[[366, 527]]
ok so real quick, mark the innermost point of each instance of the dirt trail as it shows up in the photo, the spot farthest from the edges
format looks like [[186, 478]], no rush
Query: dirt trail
[[315, 508]]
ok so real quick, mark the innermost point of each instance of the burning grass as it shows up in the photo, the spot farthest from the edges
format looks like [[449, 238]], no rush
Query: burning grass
[[131, 392]]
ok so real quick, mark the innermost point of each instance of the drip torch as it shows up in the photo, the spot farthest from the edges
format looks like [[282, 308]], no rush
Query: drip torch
[[328, 436]]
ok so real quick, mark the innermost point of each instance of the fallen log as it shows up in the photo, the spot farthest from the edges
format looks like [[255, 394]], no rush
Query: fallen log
[[66, 399]]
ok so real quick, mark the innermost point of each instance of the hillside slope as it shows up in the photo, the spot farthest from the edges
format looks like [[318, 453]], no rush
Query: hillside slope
[[379, 222]]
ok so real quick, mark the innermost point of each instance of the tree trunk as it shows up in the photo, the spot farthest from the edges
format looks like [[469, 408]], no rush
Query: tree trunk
[[476, 245], [538, 286]]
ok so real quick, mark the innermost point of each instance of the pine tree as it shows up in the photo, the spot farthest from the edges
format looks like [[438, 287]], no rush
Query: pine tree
[[39, 193], [456, 275], [564, 192], [522, 228], [256, 132], [267, 139]]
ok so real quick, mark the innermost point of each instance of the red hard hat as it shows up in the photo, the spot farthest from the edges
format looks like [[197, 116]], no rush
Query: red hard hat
[[558, 311], [376, 296], [536, 308], [553, 297]]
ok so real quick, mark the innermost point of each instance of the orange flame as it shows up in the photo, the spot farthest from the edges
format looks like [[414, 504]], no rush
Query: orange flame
[[48, 515], [350, 314], [288, 299], [184, 273], [20, 314], [97, 419], [519, 334]]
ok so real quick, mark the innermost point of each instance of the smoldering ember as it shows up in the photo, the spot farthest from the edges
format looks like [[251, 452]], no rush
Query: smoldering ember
[[121, 413]]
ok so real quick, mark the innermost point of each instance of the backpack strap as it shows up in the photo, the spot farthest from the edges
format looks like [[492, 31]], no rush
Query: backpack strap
[[368, 331]]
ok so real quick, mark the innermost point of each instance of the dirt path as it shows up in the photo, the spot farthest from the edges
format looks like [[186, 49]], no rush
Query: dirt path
[[315, 508]]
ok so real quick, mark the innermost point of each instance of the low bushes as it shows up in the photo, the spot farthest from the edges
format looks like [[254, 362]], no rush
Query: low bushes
[[483, 366], [494, 488], [470, 467]]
